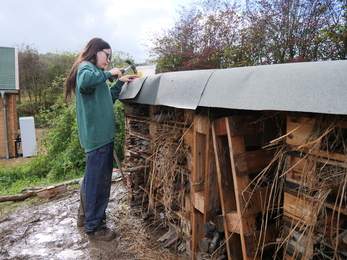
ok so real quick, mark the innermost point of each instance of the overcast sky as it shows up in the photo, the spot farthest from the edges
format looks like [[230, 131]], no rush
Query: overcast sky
[[67, 25]]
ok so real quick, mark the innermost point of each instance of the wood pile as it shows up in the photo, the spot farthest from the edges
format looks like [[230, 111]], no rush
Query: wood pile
[[315, 209], [155, 136], [240, 185]]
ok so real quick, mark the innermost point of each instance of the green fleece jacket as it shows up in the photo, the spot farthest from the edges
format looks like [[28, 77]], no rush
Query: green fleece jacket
[[94, 106]]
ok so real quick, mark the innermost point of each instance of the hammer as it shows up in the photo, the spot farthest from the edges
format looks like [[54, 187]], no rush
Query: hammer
[[131, 66]]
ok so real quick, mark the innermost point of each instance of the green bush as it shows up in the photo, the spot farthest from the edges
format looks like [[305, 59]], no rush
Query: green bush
[[120, 129], [60, 156]]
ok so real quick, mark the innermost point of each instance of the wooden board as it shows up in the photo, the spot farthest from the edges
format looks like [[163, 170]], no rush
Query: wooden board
[[233, 222], [299, 130], [244, 125], [199, 178], [199, 201], [212, 197], [226, 188], [325, 154], [197, 231], [51, 191], [301, 170], [241, 183], [232, 135], [252, 162], [301, 209], [219, 127]]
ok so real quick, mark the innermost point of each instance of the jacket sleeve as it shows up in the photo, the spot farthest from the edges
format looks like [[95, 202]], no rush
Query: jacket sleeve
[[116, 89], [89, 77]]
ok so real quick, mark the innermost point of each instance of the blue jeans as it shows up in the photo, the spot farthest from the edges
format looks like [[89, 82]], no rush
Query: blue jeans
[[96, 186]]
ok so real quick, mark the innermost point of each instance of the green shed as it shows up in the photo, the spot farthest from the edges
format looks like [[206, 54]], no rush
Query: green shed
[[9, 89], [9, 79]]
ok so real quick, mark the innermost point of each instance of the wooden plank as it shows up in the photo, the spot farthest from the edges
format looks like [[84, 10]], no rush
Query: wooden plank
[[189, 116], [301, 170], [252, 162], [202, 125], [197, 231], [301, 209], [244, 125], [300, 130], [320, 153], [233, 222], [200, 152], [212, 197], [199, 172], [189, 137], [241, 183], [199, 201], [188, 140], [220, 127], [257, 242], [188, 203], [226, 189]]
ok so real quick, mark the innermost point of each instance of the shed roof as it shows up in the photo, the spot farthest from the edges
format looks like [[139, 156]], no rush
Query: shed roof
[[317, 87]]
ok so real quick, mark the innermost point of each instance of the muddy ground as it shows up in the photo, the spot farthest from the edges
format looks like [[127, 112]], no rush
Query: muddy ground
[[46, 229]]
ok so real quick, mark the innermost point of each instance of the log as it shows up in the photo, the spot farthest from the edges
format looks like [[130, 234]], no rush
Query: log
[[17, 197], [215, 241], [219, 221], [204, 244], [32, 191], [51, 191], [209, 228], [36, 189]]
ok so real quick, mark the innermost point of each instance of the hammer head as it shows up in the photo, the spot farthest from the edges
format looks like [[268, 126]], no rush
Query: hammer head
[[132, 66]]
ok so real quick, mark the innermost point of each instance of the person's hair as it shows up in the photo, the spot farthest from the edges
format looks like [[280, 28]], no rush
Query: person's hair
[[88, 54]]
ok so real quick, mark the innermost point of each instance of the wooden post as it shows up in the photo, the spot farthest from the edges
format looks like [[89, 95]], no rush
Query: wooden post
[[241, 183], [225, 184], [198, 178]]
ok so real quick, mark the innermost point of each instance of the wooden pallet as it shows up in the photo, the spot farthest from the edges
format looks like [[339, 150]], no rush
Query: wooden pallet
[[205, 196], [234, 164], [304, 209]]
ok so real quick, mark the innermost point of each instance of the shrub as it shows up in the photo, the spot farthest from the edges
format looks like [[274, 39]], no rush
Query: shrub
[[60, 155]]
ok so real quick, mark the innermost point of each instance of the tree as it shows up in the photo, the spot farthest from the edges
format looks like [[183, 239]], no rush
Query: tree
[[214, 34], [41, 78], [199, 39], [57, 67], [31, 74], [335, 32], [282, 31]]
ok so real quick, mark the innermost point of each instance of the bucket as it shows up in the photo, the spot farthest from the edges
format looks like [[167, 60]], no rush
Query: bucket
[[144, 71]]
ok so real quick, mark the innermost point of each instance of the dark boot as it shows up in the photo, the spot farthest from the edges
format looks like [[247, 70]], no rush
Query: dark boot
[[81, 213], [105, 234]]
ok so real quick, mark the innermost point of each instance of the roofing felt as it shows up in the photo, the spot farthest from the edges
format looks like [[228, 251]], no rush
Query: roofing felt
[[317, 87]]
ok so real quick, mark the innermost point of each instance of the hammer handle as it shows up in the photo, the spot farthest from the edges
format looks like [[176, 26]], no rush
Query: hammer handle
[[114, 77]]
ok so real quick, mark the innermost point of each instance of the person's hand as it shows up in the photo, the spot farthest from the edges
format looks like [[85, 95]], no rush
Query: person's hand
[[128, 78], [116, 72]]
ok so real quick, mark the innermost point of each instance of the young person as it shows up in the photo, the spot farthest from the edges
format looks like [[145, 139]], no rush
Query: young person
[[96, 126]]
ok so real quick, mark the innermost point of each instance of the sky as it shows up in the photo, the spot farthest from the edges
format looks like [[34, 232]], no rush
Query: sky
[[67, 25]]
